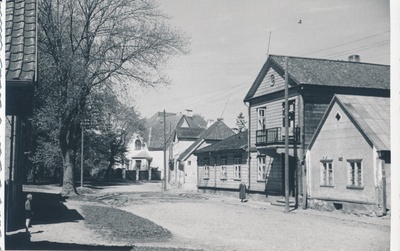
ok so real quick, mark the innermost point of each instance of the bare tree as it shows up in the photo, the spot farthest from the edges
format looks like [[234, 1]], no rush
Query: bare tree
[[84, 44], [241, 122]]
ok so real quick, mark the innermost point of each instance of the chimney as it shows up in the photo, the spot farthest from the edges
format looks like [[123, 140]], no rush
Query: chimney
[[189, 112], [354, 58], [209, 122], [220, 119]]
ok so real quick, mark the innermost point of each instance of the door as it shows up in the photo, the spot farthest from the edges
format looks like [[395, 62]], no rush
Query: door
[[292, 172]]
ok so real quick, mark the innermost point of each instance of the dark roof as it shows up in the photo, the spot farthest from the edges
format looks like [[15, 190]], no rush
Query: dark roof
[[21, 40], [173, 121], [324, 72], [370, 114], [189, 133], [217, 131], [236, 142]]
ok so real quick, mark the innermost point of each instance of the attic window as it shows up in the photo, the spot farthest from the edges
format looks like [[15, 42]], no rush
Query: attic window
[[272, 79], [338, 116]]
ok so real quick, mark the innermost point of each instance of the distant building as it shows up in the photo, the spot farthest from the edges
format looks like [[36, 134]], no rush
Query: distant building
[[223, 165], [179, 131], [187, 161], [348, 158]]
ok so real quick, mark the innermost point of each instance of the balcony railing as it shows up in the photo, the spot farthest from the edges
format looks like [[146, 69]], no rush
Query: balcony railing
[[276, 135]]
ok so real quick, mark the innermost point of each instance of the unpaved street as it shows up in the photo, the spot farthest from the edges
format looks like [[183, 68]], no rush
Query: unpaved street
[[224, 223], [211, 222]]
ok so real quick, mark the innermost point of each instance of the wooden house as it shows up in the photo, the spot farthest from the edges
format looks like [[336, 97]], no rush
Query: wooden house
[[179, 131], [21, 76], [312, 83], [187, 161], [348, 158], [223, 165]]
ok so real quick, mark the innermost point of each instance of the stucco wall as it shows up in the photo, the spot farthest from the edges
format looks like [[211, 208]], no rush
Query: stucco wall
[[340, 141]]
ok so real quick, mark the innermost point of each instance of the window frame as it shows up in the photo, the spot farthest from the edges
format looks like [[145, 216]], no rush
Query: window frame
[[237, 168], [206, 163], [261, 119], [264, 171], [223, 171], [355, 179], [327, 175]]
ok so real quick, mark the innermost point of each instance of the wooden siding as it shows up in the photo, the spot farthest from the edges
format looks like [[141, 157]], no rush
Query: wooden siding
[[340, 141], [214, 180], [275, 177], [265, 86], [313, 114], [273, 115]]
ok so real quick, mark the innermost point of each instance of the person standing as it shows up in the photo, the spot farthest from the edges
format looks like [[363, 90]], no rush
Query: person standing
[[28, 212], [242, 191]]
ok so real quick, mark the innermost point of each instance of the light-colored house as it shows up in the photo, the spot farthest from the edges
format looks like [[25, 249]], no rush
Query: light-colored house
[[180, 131], [312, 83], [223, 165], [139, 158], [187, 161], [348, 158]]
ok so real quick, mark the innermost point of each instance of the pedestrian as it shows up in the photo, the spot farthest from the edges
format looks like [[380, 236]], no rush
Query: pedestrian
[[242, 191], [28, 212]]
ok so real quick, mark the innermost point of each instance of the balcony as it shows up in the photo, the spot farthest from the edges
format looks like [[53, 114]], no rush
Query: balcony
[[276, 136]]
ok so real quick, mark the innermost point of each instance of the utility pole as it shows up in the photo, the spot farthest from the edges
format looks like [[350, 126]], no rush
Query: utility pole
[[82, 155], [286, 136], [165, 157]]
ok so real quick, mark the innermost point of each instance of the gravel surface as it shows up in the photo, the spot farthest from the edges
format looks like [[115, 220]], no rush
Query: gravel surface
[[188, 221]]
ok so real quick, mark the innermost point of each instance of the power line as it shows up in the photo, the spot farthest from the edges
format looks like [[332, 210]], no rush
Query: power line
[[362, 48], [354, 41]]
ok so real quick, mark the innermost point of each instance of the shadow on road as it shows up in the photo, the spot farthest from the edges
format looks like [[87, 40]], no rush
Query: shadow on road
[[49, 209], [21, 241]]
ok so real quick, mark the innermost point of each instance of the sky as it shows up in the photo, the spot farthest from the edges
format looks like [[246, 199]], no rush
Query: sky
[[230, 39]]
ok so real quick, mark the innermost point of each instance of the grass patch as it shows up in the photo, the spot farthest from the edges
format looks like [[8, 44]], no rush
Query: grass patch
[[118, 225]]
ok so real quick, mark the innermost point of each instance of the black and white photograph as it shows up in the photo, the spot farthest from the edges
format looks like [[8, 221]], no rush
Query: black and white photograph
[[187, 125]]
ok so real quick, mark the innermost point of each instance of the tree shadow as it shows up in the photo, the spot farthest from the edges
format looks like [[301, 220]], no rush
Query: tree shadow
[[21, 241], [49, 209]]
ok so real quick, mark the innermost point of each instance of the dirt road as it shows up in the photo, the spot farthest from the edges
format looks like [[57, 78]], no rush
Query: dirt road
[[224, 223], [210, 222]]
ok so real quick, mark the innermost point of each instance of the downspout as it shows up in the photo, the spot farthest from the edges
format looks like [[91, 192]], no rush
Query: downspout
[[248, 144]]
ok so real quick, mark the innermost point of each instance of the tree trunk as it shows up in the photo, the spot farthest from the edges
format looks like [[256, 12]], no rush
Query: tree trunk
[[68, 179], [110, 165]]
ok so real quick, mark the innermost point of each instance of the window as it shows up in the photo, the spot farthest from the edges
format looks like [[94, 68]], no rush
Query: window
[[354, 174], [138, 164], [237, 168], [206, 162], [138, 145], [338, 116], [261, 118], [261, 168], [224, 175], [206, 172], [291, 114], [326, 173], [189, 162]]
